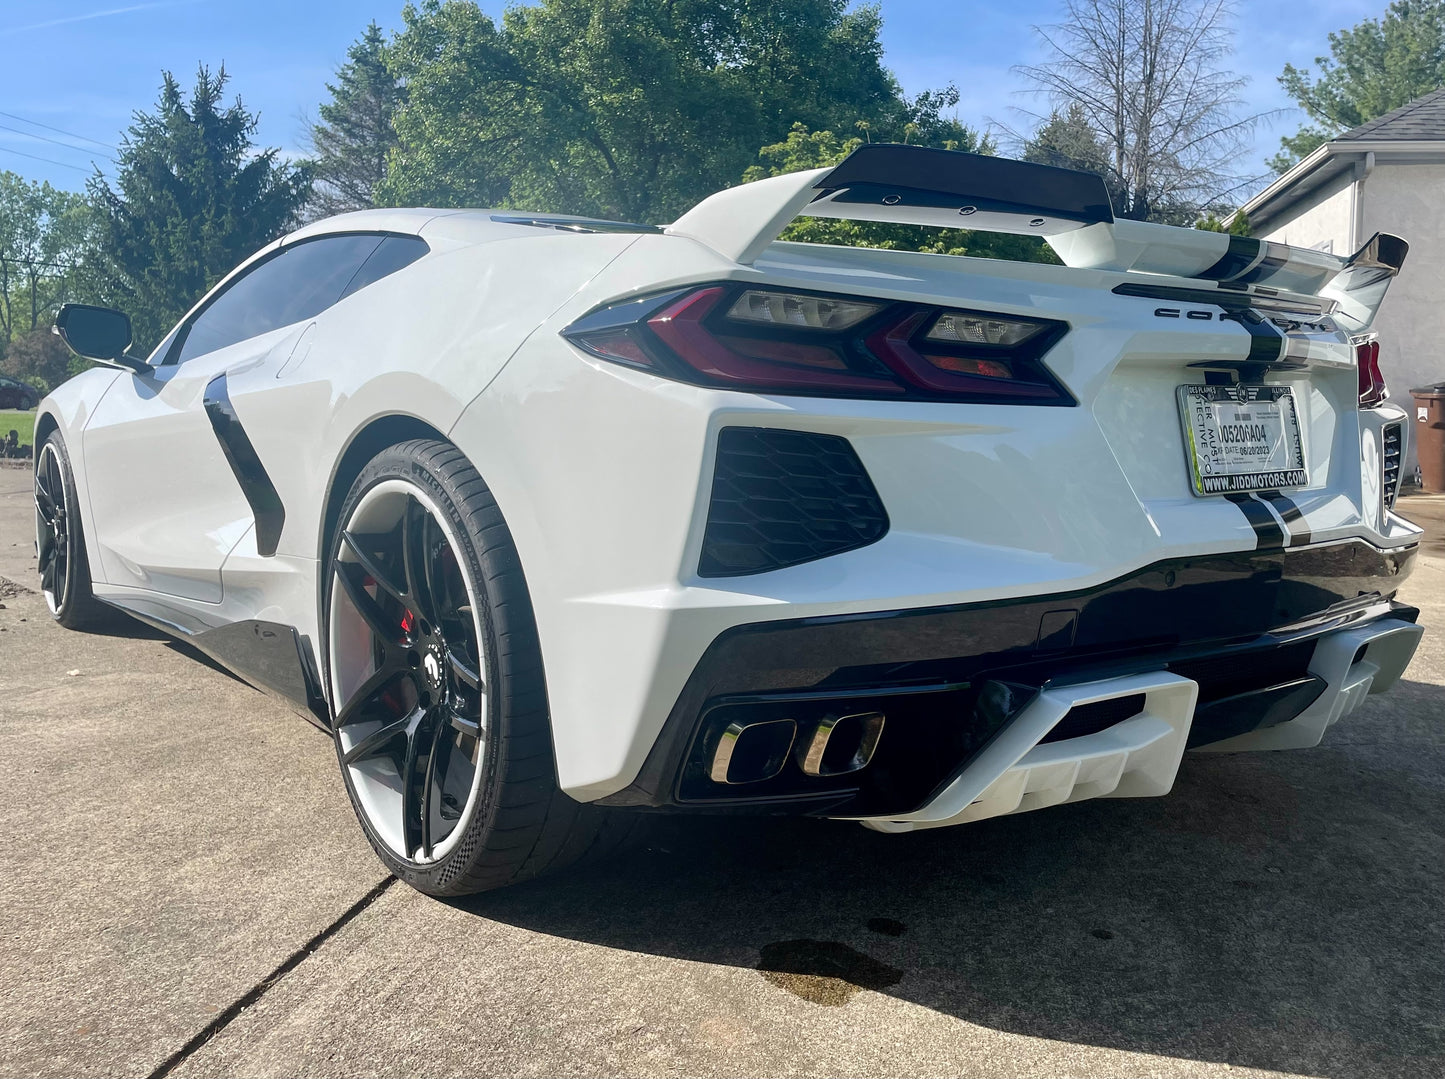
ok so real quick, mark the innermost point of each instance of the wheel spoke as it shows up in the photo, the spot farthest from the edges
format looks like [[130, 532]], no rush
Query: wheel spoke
[[374, 742], [43, 501], [415, 559], [434, 581], [366, 692], [464, 725], [427, 786], [411, 817], [385, 627], [374, 571], [463, 671]]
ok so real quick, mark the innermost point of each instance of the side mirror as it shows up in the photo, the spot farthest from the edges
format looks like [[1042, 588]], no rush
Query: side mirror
[[99, 334]]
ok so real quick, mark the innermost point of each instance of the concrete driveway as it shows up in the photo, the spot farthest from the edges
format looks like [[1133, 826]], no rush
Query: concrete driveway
[[185, 892]]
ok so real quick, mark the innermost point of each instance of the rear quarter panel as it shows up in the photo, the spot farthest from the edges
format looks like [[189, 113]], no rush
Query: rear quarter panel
[[421, 343]]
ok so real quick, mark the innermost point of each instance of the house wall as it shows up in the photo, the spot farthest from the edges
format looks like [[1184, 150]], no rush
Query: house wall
[[1323, 219], [1407, 200]]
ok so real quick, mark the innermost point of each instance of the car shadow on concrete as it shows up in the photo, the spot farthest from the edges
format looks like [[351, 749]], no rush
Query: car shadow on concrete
[[116, 623], [1278, 911]]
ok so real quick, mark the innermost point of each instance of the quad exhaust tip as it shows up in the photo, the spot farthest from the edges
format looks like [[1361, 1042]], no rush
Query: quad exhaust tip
[[841, 744], [754, 752]]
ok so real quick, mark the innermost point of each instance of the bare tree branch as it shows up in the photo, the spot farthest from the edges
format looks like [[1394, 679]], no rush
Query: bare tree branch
[[1147, 77]]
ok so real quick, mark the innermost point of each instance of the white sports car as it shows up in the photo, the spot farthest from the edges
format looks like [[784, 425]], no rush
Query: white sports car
[[549, 519]]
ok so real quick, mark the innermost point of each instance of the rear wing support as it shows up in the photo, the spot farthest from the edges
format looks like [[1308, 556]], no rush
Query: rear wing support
[[917, 185]]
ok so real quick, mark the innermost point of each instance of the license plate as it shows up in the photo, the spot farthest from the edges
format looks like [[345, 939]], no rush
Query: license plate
[[1241, 438]]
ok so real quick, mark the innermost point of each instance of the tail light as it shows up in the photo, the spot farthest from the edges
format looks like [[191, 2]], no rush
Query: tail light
[[815, 344], [1372, 383]]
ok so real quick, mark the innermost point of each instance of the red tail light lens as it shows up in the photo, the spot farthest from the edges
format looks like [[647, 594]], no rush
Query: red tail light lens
[[759, 360], [774, 340], [1373, 390]]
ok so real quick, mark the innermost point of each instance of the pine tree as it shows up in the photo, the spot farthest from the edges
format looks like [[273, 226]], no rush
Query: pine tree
[[192, 199], [355, 134], [1379, 65]]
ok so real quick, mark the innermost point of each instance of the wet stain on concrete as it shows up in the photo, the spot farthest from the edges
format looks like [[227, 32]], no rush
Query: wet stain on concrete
[[887, 926], [824, 971]]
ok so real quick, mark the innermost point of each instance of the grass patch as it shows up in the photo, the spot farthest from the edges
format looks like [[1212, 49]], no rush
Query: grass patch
[[12, 419]]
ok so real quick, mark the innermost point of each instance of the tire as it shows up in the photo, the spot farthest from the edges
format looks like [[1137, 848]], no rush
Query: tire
[[515, 823], [64, 566]]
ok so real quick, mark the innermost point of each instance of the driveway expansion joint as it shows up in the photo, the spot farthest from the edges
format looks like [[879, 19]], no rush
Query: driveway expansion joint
[[257, 991]]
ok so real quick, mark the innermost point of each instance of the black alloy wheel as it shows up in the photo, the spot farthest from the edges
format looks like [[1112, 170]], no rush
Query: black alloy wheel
[[412, 732], [59, 542], [435, 675]]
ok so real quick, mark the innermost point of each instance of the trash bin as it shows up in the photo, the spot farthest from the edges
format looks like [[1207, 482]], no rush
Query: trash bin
[[1430, 435]]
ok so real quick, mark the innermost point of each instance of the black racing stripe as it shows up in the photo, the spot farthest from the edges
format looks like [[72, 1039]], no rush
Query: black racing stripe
[[1266, 342], [1267, 531], [1299, 532], [255, 484], [1237, 258], [1275, 256]]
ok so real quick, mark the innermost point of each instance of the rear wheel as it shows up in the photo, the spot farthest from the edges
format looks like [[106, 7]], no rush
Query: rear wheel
[[59, 543], [436, 678]]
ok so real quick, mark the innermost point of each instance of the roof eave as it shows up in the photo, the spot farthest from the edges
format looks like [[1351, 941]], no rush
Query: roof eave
[[1287, 187]]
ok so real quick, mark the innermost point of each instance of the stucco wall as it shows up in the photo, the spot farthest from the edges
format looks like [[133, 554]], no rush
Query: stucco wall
[[1322, 220], [1409, 201]]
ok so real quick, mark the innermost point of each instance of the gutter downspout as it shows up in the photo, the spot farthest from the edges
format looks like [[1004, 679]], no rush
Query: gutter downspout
[[1363, 168]]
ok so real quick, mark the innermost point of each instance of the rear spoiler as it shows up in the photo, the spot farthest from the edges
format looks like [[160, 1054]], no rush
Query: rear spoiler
[[917, 185]]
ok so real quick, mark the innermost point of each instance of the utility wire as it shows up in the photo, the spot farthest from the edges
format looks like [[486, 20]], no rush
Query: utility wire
[[60, 131], [19, 260], [57, 142], [37, 157]]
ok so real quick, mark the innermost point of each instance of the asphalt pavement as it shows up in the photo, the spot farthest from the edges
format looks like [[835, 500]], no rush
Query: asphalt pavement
[[184, 891]]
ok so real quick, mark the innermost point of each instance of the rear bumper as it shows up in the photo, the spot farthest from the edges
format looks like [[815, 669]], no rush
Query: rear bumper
[[1260, 637], [607, 480]]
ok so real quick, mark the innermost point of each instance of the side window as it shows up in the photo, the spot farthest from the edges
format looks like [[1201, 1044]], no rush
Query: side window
[[395, 253], [297, 283]]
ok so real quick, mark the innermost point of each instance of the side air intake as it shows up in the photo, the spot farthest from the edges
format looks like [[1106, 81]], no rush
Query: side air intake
[[1394, 447], [781, 498]]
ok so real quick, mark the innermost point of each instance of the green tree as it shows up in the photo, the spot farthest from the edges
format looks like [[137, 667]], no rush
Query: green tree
[[1067, 140], [351, 141], [628, 108], [38, 357], [804, 149], [1377, 66], [44, 233], [191, 199], [1236, 224]]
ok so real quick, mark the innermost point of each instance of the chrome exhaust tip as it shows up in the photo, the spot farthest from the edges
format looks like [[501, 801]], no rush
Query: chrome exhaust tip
[[841, 744], [752, 752]]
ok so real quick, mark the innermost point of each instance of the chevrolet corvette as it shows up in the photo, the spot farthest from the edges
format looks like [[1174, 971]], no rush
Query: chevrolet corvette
[[549, 521]]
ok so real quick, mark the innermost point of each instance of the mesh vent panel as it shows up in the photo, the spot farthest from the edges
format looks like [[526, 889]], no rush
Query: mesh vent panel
[[1390, 462], [780, 498]]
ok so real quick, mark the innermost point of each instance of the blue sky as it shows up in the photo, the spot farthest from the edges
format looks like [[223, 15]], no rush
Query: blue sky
[[83, 66]]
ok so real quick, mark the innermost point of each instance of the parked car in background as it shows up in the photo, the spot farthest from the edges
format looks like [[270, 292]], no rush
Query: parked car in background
[[548, 520], [16, 394]]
